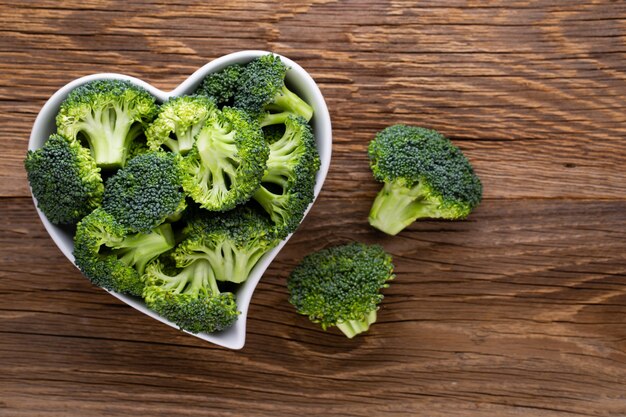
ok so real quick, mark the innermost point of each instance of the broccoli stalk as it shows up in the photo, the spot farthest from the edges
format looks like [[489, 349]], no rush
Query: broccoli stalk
[[340, 286], [353, 327], [109, 115], [424, 176], [189, 297]]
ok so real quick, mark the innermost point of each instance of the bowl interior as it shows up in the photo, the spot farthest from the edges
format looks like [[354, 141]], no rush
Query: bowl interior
[[298, 80]]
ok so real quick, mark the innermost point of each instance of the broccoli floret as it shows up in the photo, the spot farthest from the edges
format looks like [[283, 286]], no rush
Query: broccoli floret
[[179, 121], [114, 258], [424, 175], [65, 180], [227, 161], [287, 187], [231, 242], [222, 85], [108, 115], [340, 286], [189, 297], [145, 192], [262, 92]]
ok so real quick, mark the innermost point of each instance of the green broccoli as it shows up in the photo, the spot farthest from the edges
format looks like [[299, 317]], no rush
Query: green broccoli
[[231, 242], [287, 187], [65, 180], [222, 85], [227, 162], [424, 175], [145, 192], [113, 257], [262, 92], [108, 115], [189, 296], [179, 121], [340, 286]]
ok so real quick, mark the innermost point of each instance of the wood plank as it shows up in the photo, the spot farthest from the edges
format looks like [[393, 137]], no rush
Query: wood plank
[[520, 310], [534, 92]]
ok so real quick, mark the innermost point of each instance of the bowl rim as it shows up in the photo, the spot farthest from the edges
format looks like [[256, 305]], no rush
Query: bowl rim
[[234, 337]]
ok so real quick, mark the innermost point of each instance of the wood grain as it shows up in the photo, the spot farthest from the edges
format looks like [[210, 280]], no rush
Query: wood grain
[[518, 311]]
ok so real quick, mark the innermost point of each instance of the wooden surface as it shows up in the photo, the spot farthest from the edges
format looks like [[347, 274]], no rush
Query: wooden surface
[[518, 311]]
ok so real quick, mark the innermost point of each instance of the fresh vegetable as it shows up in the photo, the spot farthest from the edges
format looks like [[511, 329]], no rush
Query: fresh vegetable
[[108, 115], [227, 162], [112, 256], [287, 187], [65, 180], [424, 175], [146, 192], [340, 286], [179, 121]]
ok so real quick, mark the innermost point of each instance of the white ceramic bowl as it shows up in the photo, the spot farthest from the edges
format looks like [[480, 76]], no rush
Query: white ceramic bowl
[[298, 81]]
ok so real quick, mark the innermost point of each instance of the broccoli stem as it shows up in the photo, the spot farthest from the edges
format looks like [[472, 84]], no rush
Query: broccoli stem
[[353, 327], [109, 133], [141, 248], [396, 206], [184, 139], [290, 102]]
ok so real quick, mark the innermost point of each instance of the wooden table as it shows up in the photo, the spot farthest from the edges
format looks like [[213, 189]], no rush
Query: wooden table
[[518, 311]]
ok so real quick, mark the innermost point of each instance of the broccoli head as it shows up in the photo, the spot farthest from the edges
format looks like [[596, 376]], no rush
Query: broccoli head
[[222, 85], [287, 187], [227, 162], [189, 296], [262, 92], [230, 242], [340, 286], [65, 180], [145, 192], [114, 258], [179, 121], [424, 175], [108, 115]]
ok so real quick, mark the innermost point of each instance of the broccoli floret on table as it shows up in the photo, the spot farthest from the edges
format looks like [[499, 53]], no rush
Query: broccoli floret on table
[[108, 115], [424, 175], [189, 296], [287, 188], [146, 192], [65, 180], [262, 92], [113, 257], [227, 162], [179, 121], [340, 286]]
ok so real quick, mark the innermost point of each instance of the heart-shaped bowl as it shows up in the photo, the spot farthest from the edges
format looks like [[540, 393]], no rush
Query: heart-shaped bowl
[[297, 79]]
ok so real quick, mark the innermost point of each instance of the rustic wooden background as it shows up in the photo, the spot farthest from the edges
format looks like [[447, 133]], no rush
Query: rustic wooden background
[[518, 311]]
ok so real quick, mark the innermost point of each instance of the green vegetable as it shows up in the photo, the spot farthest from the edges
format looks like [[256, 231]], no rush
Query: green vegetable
[[65, 180], [146, 192], [179, 121], [189, 296], [287, 187], [222, 85], [340, 286], [227, 162], [108, 115], [231, 242], [424, 175], [114, 258], [262, 92]]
